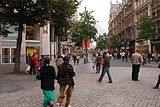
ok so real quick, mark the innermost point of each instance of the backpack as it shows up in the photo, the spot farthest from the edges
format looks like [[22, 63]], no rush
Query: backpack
[[98, 60]]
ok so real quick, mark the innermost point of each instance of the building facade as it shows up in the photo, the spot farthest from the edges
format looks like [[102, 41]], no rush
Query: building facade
[[34, 39], [41, 40], [125, 24]]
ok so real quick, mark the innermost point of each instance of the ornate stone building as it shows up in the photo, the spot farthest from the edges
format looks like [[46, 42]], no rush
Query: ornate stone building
[[125, 23]]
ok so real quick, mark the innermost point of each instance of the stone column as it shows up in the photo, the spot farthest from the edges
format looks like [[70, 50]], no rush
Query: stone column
[[45, 40], [149, 9], [23, 46], [149, 45], [0, 49]]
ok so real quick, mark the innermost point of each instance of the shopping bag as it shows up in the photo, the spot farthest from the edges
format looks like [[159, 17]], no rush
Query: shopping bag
[[28, 69], [101, 62]]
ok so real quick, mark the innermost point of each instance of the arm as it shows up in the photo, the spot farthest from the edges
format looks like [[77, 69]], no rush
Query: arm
[[54, 74], [71, 70]]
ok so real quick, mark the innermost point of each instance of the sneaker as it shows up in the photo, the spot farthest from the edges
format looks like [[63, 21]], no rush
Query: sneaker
[[58, 104], [155, 87], [110, 82], [98, 81]]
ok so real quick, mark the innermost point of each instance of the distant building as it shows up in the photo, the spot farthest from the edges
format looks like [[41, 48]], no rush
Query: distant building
[[124, 23]]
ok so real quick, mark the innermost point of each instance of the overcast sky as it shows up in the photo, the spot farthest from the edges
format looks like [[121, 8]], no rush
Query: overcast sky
[[101, 10]]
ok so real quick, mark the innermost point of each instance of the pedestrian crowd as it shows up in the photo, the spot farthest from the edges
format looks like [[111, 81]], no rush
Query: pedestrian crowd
[[101, 63], [137, 59]]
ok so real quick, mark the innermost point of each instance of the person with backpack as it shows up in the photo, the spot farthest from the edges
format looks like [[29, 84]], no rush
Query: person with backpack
[[47, 76], [98, 63], [65, 79]]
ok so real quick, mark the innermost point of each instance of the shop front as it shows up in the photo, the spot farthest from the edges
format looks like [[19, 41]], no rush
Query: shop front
[[155, 45], [143, 46], [32, 47]]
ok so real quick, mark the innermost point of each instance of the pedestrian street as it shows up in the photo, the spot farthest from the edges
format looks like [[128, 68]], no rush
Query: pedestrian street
[[89, 93]]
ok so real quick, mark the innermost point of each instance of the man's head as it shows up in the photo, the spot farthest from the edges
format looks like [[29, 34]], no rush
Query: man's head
[[66, 59], [46, 61]]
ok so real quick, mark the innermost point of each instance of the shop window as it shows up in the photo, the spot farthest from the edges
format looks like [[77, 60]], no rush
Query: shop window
[[13, 55], [158, 13], [153, 14], [30, 33], [5, 55]]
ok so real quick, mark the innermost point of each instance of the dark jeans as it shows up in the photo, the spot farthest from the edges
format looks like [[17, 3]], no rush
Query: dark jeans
[[105, 70], [158, 82], [98, 67], [135, 72]]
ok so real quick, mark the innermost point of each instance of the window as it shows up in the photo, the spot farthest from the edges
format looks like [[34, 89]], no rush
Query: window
[[5, 55], [153, 14], [158, 13], [8, 55], [13, 55]]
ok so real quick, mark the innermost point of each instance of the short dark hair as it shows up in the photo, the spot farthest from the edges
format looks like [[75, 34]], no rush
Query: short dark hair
[[66, 59], [46, 60]]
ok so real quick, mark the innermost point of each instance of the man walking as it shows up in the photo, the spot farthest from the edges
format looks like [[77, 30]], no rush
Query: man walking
[[105, 69], [136, 60], [98, 64]]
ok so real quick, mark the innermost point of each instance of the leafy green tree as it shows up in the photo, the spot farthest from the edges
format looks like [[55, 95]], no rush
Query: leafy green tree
[[114, 41], [102, 41], [147, 28], [84, 28], [35, 12], [20, 12], [62, 17]]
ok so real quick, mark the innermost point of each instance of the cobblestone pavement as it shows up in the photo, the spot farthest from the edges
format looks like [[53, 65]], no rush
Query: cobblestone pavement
[[89, 93]]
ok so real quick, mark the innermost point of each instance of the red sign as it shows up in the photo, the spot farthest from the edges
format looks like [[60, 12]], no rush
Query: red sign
[[84, 43]]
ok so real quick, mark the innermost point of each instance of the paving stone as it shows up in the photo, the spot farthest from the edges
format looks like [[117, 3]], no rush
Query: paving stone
[[89, 93]]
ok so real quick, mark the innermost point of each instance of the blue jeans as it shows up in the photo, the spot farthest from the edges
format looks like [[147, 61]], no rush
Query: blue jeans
[[98, 67], [105, 70]]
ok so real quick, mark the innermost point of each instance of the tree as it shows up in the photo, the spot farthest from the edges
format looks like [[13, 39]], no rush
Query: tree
[[61, 17], [114, 41], [31, 12], [147, 28], [102, 41], [34, 12], [84, 28]]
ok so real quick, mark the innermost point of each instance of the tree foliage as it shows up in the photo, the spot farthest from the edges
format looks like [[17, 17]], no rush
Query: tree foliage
[[147, 28], [102, 41], [34, 12], [62, 17], [114, 41], [84, 28]]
